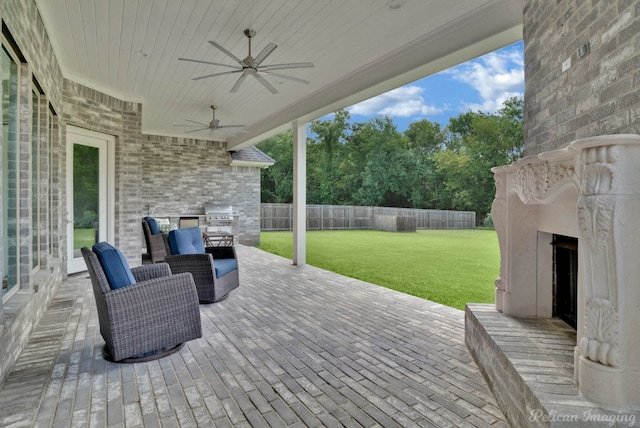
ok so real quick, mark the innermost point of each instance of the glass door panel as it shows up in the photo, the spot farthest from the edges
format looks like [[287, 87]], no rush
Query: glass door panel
[[89, 203], [86, 200]]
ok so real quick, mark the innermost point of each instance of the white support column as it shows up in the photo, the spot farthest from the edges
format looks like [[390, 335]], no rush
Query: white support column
[[299, 193]]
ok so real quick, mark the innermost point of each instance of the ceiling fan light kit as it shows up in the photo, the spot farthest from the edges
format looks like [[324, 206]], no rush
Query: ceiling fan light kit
[[252, 66]]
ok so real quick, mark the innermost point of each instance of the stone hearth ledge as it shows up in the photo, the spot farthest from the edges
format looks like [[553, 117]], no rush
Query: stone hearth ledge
[[528, 365]]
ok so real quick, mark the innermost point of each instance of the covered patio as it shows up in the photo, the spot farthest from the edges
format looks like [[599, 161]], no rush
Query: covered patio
[[293, 346]]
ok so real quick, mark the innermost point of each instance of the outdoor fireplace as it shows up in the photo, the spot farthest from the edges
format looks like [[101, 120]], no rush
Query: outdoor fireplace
[[586, 197]]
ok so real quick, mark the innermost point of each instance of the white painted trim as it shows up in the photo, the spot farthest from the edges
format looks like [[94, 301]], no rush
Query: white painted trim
[[11, 292], [106, 144], [299, 193], [250, 163]]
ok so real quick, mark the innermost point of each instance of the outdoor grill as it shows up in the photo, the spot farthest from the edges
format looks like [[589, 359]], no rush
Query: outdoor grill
[[219, 224]]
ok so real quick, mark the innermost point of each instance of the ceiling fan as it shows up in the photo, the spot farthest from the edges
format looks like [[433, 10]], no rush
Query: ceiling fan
[[211, 126], [251, 66]]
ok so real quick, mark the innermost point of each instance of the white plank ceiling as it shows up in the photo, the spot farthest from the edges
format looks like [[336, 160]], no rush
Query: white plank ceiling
[[360, 48]]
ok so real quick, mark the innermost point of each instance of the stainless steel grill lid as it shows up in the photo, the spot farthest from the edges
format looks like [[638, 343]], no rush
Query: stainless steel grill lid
[[216, 212]]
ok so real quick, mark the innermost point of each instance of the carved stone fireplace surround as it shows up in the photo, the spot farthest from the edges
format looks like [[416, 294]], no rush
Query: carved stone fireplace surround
[[589, 190]]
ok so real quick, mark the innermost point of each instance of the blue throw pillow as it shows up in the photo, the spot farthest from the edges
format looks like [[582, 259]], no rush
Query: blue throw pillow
[[114, 265], [224, 266], [186, 241], [153, 225]]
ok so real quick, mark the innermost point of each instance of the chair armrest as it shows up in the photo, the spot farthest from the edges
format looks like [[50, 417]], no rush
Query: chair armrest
[[154, 292], [147, 272], [222, 252], [199, 265]]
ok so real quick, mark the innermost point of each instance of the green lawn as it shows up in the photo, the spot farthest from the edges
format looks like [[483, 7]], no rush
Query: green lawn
[[83, 238], [451, 267]]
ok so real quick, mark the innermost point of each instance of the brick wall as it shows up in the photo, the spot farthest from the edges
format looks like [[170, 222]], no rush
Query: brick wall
[[181, 175], [21, 312], [600, 93]]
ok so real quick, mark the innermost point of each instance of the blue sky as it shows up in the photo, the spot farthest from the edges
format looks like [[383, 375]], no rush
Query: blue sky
[[480, 84]]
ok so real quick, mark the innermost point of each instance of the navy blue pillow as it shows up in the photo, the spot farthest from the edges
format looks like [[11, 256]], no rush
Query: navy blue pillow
[[186, 241], [153, 225], [114, 264]]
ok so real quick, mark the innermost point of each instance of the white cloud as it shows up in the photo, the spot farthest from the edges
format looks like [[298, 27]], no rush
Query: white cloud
[[405, 101], [496, 76]]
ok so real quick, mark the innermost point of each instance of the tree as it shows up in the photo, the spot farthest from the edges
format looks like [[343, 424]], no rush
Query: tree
[[277, 180], [324, 157], [425, 136], [379, 164], [478, 142], [372, 163], [425, 139]]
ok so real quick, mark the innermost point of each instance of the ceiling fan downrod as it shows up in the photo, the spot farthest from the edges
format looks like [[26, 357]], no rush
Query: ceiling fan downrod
[[250, 34]]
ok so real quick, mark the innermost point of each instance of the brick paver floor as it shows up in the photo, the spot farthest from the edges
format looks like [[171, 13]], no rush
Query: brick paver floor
[[292, 347]]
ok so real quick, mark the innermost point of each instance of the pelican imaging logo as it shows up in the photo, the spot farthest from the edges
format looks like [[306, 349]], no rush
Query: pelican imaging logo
[[590, 416]]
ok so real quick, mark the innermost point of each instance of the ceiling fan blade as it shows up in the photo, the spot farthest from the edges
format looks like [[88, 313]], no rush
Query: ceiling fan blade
[[283, 66], [211, 63], [229, 54], [216, 74], [238, 83], [196, 130], [198, 123], [284, 76], [263, 54], [211, 131], [266, 84], [231, 126], [224, 130]]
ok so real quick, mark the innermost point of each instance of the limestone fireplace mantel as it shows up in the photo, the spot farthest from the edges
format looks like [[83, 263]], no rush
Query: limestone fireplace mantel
[[589, 190]]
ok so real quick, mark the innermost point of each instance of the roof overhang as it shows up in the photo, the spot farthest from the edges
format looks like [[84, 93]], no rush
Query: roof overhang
[[360, 48]]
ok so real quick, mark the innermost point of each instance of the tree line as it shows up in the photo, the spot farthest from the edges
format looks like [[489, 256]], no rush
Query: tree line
[[426, 166]]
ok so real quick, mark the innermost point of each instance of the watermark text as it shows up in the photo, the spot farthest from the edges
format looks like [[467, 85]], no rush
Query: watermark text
[[610, 419]]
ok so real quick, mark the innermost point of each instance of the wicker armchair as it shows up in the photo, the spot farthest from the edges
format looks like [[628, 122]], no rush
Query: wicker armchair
[[157, 245], [146, 320], [213, 282]]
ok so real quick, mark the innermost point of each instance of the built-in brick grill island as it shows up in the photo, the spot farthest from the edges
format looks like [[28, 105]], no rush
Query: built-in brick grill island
[[568, 226], [221, 224]]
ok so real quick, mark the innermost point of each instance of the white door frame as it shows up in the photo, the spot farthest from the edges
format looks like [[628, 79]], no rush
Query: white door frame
[[106, 178]]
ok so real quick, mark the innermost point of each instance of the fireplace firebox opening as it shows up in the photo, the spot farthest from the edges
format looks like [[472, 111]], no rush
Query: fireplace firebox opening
[[565, 279]]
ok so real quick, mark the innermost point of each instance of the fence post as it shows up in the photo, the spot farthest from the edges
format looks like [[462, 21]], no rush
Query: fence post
[[350, 215]]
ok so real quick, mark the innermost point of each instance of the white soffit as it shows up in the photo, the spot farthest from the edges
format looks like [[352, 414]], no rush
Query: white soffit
[[360, 48]]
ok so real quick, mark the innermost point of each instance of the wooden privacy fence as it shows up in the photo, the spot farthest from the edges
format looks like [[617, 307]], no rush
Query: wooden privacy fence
[[331, 217]]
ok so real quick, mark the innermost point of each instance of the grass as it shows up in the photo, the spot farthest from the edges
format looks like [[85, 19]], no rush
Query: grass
[[83, 238], [451, 267]]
